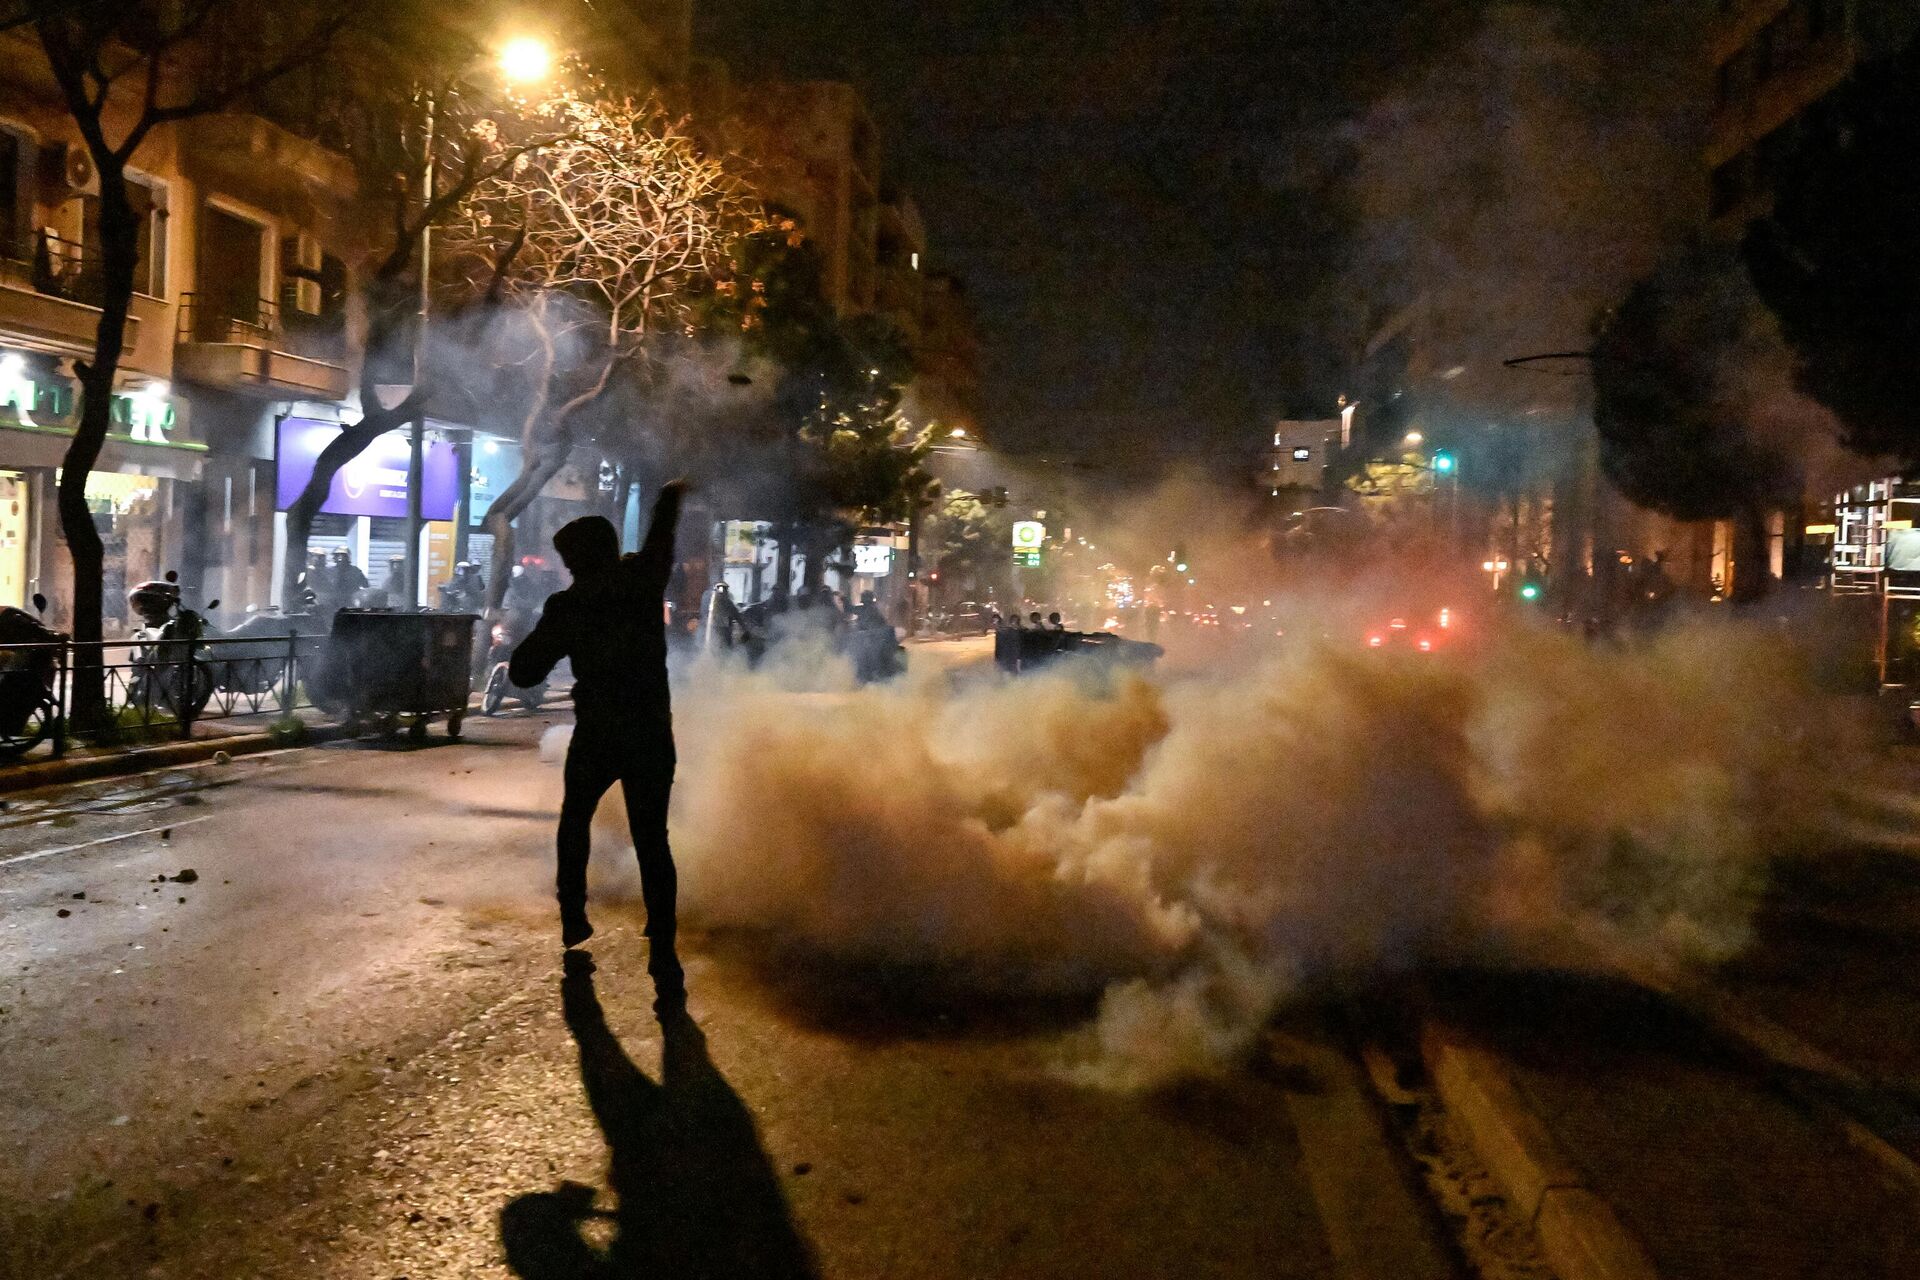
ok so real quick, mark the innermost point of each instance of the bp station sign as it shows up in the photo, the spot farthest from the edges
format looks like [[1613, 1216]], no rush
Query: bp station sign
[[1028, 538]]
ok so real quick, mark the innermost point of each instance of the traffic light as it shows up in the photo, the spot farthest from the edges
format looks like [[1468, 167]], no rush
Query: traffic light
[[1529, 591], [1444, 462]]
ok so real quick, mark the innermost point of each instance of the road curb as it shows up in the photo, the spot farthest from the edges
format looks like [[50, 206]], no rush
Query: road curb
[[1580, 1233], [56, 773]]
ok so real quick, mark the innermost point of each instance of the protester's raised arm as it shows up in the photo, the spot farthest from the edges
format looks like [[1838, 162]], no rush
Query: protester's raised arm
[[656, 554]]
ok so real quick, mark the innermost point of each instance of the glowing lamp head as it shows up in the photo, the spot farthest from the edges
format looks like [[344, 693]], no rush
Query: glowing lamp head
[[525, 60], [1443, 463]]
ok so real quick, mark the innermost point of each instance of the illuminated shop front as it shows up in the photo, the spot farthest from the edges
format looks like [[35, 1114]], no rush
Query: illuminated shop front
[[139, 492], [365, 513]]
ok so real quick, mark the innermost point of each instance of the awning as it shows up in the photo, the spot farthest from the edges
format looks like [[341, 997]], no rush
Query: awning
[[47, 447]]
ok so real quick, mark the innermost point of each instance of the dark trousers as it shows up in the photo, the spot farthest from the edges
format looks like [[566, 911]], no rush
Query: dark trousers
[[642, 763]]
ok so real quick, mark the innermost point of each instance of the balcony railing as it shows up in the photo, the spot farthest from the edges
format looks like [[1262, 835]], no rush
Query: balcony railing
[[57, 267], [262, 322]]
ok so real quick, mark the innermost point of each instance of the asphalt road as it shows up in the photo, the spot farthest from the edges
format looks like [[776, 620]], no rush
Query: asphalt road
[[310, 1019]]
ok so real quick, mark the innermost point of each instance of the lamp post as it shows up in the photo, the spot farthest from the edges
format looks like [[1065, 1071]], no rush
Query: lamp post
[[521, 60]]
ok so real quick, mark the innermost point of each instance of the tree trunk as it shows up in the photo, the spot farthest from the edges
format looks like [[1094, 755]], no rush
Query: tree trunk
[[119, 240], [622, 496], [535, 471], [1752, 573], [783, 567]]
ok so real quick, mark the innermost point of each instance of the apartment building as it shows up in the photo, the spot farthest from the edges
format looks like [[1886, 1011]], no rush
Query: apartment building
[[240, 303], [1774, 63]]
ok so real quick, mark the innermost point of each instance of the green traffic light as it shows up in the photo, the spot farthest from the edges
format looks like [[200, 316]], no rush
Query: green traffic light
[[1443, 462], [1530, 592]]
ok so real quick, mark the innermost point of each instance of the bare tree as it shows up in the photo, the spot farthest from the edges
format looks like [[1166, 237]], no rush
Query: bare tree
[[618, 229], [124, 70], [471, 153]]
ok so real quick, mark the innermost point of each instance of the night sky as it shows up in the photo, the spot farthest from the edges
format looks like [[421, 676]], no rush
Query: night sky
[[1143, 198]]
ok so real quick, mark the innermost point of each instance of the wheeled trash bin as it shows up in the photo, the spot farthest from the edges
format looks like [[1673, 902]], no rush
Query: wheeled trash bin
[[383, 668]]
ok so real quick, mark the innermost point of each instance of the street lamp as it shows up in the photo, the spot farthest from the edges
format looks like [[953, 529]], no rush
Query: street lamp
[[1415, 439], [525, 60], [522, 60]]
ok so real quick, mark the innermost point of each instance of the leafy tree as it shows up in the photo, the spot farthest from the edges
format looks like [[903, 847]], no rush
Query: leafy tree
[[1679, 426], [1838, 259], [971, 540]]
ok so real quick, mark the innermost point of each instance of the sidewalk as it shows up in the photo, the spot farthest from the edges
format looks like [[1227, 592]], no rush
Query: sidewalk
[[237, 736]]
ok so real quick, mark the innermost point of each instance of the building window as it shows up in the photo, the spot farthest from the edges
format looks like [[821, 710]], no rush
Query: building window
[[231, 280], [1823, 17], [149, 199], [1730, 184], [1764, 53], [14, 211]]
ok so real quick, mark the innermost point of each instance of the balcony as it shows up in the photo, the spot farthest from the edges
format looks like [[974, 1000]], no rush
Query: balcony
[[253, 158], [49, 297], [258, 350]]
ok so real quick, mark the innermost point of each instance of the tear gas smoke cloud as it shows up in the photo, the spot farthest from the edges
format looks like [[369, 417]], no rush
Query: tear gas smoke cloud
[[1199, 849]]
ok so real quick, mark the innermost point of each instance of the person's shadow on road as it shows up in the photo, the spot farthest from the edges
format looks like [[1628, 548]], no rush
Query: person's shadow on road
[[698, 1196]]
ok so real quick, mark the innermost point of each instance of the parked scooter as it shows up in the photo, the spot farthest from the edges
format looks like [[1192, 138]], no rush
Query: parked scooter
[[27, 709], [506, 636], [170, 668]]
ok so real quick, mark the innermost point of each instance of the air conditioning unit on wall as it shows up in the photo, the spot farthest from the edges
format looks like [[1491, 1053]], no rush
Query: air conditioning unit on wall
[[67, 170], [300, 274]]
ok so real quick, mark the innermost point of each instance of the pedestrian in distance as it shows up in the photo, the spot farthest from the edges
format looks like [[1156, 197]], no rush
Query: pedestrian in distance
[[1054, 623], [612, 623], [1034, 622]]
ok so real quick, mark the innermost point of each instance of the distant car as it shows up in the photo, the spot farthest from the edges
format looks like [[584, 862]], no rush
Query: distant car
[[968, 618], [1421, 635]]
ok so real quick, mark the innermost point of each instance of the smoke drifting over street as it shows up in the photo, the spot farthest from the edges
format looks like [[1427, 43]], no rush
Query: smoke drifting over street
[[1199, 850]]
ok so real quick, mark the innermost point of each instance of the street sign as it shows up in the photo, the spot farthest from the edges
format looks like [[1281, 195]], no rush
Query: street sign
[[1028, 535]]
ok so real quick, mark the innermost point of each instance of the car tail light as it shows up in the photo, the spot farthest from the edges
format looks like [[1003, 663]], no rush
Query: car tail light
[[1426, 645], [1376, 641]]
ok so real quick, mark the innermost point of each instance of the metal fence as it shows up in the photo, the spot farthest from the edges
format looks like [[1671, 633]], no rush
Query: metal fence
[[154, 688]]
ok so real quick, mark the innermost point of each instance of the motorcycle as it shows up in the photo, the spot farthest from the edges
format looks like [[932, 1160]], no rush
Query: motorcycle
[[505, 636], [170, 665], [27, 709]]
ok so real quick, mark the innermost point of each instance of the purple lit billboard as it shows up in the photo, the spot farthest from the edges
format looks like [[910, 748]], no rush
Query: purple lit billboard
[[373, 484]]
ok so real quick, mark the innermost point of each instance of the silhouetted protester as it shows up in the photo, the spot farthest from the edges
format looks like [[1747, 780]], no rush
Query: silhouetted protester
[[1034, 623], [698, 1195], [612, 623], [1054, 623]]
